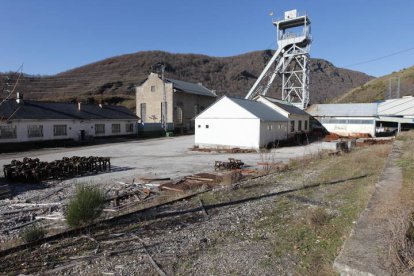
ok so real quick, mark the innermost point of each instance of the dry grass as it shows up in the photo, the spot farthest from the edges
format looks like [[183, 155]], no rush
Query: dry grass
[[401, 224]]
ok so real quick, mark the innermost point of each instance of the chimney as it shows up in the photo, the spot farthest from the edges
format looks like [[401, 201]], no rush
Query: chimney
[[19, 98], [79, 106]]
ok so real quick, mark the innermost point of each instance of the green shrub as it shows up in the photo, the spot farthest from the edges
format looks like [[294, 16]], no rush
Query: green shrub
[[33, 233], [85, 206]]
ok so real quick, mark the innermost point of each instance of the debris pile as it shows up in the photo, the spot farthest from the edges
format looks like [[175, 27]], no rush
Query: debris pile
[[233, 164], [223, 150], [191, 182], [33, 170]]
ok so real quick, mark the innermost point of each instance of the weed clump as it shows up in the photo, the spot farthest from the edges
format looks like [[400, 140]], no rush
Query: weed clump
[[33, 233], [86, 206], [318, 217]]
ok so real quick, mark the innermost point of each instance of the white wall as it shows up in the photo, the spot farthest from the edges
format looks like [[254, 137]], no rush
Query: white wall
[[227, 133], [73, 129], [350, 129], [271, 131]]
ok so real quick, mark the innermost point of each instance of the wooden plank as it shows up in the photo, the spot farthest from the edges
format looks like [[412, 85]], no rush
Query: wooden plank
[[200, 178], [171, 189]]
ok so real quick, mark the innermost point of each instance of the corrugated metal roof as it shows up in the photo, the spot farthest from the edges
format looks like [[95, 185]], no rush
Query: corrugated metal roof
[[51, 110], [288, 107], [344, 110], [397, 107], [192, 88], [260, 110]]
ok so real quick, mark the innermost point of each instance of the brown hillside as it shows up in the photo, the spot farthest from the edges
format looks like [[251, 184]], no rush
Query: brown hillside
[[378, 89], [113, 79]]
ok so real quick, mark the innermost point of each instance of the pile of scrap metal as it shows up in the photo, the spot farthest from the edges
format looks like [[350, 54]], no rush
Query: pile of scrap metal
[[233, 164], [33, 170], [191, 182]]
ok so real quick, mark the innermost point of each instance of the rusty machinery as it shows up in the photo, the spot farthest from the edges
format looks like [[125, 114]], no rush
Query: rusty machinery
[[34, 170], [233, 164]]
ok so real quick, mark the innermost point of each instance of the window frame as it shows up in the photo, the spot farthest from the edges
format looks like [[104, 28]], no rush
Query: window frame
[[97, 126], [116, 130], [33, 133], [129, 127], [60, 133], [10, 129]]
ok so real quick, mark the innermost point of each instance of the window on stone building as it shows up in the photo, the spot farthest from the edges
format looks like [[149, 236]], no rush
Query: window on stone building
[[179, 113], [143, 114], [292, 126], [196, 109], [152, 88]]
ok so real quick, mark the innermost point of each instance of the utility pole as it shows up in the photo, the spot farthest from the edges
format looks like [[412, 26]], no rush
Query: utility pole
[[398, 88], [389, 88], [164, 120]]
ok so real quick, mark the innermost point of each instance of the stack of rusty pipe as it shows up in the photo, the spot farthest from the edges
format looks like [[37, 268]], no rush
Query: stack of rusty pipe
[[33, 170]]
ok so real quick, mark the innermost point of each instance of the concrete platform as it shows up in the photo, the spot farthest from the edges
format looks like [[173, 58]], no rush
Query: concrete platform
[[365, 251]]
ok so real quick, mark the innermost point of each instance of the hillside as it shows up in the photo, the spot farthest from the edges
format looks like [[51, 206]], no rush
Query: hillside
[[378, 89], [113, 79]]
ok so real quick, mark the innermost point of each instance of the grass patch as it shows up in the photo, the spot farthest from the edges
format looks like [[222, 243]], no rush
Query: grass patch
[[33, 233], [85, 207]]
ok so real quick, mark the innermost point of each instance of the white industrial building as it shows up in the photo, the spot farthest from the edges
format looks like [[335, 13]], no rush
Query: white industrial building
[[34, 121], [347, 119], [233, 122], [373, 119]]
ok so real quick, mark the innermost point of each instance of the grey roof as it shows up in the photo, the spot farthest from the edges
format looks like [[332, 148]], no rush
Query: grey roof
[[191, 88], [344, 110], [397, 107], [260, 110], [50, 110], [288, 107]]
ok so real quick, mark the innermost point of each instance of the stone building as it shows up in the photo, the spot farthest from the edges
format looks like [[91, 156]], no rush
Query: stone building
[[184, 101]]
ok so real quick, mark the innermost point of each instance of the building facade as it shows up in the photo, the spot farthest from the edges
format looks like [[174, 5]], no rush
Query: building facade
[[355, 120], [239, 123], [298, 120], [33, 121], [183, 102]]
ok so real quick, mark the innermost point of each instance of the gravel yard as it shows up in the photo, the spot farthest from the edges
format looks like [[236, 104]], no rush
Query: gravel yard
[[246, 228], [167, 157], [132, 160]]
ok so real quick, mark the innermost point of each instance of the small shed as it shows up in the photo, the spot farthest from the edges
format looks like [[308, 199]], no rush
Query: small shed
[[298, 119], [233, 122]]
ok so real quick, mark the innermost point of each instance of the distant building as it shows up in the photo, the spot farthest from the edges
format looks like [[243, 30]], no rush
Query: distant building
[[35, 121], [359, 119], [356, 119], [239, 123], [184, 101]]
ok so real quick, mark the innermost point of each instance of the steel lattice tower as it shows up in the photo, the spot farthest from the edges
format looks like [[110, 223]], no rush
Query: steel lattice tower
[[290, 61]]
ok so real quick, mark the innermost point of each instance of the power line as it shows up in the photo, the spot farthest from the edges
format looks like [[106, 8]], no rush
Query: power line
[[379, 58]]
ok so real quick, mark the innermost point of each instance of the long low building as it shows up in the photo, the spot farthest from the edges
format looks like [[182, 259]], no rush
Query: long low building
[[373, 119], [35, 121]]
